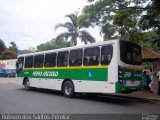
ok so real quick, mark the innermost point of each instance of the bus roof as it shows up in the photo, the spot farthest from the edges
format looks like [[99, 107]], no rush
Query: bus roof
[[71, 48]]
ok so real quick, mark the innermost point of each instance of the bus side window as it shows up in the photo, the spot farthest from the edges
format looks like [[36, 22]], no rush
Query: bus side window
[[29, 62], [75, 58], [106, 54], [38, 61], [91, 56], [62, 59], [50, 60]]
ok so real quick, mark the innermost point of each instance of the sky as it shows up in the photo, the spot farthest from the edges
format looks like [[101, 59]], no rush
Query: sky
[[31, 22]]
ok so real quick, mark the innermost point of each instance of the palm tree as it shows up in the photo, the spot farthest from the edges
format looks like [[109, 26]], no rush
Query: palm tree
[[74, 31]]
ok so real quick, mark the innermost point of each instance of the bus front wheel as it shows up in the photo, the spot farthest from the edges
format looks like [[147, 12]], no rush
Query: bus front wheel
[[27, 85], [68, 89]]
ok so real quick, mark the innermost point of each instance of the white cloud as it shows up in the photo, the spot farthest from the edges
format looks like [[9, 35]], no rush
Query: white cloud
[[31, 22]]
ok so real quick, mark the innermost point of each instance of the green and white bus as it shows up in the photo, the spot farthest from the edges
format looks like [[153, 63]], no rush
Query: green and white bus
[[107, 67]]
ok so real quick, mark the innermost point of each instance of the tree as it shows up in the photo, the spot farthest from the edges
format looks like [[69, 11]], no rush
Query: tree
[[13, 47], [114, 15], [151, 19], [27, 51], [74, 31], [30, 49], [121, 18], [2, 46], [53, 44]]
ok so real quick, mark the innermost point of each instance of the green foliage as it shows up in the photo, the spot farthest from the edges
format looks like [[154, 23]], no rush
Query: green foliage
[[74, 31], [152, 17], [53, 44], [144, 39], [84, 23], [2, 46], [108, 31], [13, 47], [114, 16], [23, 52], [6, 53], [154, 38], [126, 19], [27, 51]]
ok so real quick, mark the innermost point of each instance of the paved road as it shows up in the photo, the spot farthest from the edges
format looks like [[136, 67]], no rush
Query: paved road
[[14, 99]]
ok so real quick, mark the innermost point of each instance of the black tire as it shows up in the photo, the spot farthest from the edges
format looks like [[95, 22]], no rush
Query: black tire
[[68, 89], [27, 85]]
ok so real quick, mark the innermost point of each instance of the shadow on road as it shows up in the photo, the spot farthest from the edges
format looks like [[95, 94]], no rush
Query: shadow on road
[[115, 99], [45, 91], [105, 98]]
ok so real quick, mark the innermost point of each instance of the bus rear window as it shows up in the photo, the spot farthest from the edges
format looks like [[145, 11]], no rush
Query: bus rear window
[[130, 53]]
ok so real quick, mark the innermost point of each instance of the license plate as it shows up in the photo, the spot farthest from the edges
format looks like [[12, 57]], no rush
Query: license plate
[[130, 83], [133, 82]]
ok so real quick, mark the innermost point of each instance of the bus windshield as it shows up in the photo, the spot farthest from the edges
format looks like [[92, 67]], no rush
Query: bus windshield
[[130, 53]]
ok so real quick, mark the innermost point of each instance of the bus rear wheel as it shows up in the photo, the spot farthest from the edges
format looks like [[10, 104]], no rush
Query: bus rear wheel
[[68, 89], [27, 85]]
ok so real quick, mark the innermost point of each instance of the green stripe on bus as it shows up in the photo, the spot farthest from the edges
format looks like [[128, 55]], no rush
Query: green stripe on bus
[[98, 73]]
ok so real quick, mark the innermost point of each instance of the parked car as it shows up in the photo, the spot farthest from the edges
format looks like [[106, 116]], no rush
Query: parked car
[[7, 73]]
